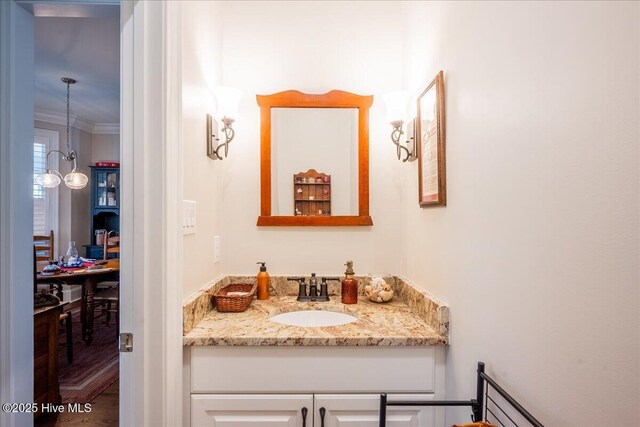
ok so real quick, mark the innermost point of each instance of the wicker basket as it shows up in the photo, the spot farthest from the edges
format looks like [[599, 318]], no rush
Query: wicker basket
[[234, 303]]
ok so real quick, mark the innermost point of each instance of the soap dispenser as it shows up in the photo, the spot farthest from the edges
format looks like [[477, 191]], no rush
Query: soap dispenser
[[349, 285], [263, 281]]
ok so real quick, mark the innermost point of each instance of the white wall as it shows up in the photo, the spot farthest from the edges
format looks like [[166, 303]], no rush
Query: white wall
[[203, 177], [105, 148], [537, 250], [80, 199], [313, 47]]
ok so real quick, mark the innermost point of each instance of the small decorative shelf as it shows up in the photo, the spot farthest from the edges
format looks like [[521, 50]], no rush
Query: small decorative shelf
[[312, 193]]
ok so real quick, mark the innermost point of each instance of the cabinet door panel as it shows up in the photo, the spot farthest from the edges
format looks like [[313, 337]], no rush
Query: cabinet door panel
[[362, 410], [250, 410]]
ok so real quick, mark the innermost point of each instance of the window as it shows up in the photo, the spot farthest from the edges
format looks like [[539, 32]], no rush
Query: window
[[39, 203], [45, 201]]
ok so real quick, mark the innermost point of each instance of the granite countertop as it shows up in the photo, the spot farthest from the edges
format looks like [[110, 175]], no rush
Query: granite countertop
[[396, 323]]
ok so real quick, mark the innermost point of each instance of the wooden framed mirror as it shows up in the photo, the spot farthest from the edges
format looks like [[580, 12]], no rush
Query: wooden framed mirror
[[314, 159]]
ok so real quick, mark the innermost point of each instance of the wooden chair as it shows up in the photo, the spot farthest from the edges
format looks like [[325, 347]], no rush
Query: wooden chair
[[44, 252], [108, 298], [65, 316], [111, 245], [44, 246], [107, 293]]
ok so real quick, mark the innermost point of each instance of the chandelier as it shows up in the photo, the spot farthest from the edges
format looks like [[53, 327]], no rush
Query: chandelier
[[51, 178]]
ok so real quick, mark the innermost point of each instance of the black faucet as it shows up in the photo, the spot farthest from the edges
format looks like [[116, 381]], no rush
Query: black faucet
[[313, 288]]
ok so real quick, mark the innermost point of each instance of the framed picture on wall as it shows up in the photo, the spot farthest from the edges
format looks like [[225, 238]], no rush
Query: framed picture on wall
[[430, 128]]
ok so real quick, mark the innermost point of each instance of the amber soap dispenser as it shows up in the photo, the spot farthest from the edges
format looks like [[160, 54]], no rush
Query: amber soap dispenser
[[263, 281], [349, 285]]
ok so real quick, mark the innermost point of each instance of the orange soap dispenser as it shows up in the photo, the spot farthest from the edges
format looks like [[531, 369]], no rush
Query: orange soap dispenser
[[349, 285], [263, 281]]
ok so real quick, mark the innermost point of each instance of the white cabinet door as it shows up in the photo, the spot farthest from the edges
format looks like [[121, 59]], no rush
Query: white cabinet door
[[273, 410], [362, 410]]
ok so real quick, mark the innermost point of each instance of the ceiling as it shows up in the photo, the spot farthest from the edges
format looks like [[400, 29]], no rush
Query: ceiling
[[88, 50]]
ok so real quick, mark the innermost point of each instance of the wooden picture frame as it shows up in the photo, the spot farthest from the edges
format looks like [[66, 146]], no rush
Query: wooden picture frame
[[430, 131], [296, 99]]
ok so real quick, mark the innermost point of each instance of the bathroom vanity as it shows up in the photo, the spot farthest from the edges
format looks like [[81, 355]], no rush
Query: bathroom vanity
[[245, 369]]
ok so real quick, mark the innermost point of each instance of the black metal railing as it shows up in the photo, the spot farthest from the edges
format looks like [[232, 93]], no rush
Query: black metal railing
[[483, 383]]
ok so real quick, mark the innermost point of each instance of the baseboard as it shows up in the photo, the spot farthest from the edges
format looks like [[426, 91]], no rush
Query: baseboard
[[70, 293]]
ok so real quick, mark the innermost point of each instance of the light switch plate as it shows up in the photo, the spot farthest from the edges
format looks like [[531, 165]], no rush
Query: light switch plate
[[189, 217], [216, 249]]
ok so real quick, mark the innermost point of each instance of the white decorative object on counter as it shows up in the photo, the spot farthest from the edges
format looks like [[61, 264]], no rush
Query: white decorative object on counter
[[379, 290]]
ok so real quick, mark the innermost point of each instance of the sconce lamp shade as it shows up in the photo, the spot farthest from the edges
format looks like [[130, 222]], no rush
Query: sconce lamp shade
[[76, 180], [397, 102], [48, 179], [228, 99]]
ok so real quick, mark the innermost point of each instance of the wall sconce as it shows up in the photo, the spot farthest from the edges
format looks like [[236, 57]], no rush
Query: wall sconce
[[228, 99], [51, 178], [397, 114]]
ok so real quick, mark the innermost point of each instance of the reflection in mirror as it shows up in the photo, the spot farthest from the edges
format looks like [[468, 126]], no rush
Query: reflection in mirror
[[319, 135], [321, 139]]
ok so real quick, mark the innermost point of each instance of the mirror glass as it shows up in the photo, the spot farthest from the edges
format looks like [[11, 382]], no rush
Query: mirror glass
[[320, 146]]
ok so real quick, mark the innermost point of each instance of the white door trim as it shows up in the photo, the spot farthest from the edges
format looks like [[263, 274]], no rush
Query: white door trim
[[151, 257], [173, 184], [131, 364], [16, 210]]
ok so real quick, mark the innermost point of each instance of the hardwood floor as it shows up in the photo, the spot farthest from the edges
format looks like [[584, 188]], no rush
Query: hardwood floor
[[104, 412]]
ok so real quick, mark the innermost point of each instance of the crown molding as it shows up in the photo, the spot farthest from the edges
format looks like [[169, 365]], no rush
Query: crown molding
[[57, 118], [72, 8], [106, 129]]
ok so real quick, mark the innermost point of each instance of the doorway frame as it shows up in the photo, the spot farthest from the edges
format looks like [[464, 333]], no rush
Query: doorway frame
[[151, 108], [16, 210], [151, 268]]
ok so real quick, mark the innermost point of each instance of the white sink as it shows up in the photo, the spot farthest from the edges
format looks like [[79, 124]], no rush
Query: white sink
[[313, 318]]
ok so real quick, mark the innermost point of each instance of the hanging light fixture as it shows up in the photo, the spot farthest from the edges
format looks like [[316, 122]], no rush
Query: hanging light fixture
[[51, 178]]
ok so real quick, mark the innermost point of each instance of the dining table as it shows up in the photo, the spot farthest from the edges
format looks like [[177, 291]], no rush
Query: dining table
[[88, 278]]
